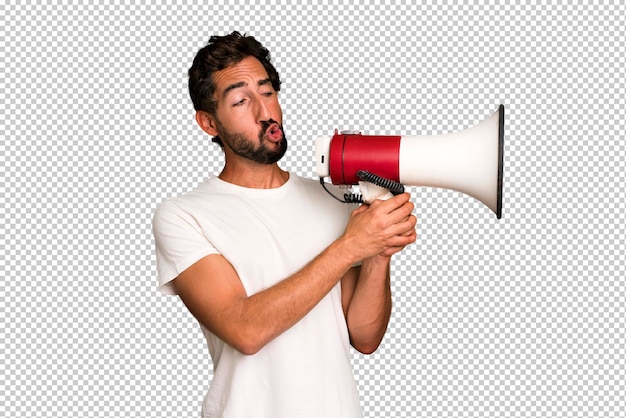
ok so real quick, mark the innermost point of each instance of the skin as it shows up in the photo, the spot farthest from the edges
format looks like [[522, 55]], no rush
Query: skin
[[211, 288]]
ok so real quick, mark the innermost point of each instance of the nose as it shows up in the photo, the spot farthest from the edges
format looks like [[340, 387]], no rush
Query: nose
[[264, 110]]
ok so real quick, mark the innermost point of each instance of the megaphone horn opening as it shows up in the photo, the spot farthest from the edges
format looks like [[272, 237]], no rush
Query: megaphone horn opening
[[469, 161], [500, 160]]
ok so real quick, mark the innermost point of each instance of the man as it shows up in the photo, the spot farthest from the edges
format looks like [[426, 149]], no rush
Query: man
[[281, 278]]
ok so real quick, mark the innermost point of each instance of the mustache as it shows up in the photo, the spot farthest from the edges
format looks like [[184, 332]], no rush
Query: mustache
[[267, 123]]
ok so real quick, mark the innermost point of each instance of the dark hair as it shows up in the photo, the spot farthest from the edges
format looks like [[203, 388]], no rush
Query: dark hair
[[220, 53]]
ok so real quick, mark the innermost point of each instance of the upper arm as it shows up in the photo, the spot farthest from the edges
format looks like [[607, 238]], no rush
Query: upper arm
[[211, 288]]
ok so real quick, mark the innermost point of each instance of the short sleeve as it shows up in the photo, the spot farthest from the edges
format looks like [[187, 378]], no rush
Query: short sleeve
[[179, 243]]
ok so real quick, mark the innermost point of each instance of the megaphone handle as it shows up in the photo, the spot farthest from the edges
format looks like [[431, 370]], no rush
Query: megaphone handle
[[370, 192]]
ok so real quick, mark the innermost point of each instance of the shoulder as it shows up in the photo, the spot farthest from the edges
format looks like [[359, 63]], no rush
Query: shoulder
[[314, 185], [182, 207], [322, 201]]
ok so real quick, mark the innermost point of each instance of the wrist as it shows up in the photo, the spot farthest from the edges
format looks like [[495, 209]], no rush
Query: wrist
[[377, 265], [345, 248], [378, 260]]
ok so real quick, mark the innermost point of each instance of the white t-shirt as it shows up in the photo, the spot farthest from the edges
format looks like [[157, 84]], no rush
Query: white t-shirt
[[267, 235]]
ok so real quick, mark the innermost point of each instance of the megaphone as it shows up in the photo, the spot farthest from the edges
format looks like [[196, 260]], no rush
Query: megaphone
[[468, 161]]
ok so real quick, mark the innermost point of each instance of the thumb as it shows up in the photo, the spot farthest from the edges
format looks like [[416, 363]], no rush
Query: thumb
[[360, 209]]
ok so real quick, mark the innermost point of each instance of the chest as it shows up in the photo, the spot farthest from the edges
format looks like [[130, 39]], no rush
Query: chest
[[268, 240]]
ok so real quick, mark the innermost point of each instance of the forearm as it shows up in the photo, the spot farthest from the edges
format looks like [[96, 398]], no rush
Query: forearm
[[370, 306], [373, 231], [261, 317]]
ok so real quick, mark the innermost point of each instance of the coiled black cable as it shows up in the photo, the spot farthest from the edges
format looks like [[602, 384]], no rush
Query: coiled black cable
[[393, 186]]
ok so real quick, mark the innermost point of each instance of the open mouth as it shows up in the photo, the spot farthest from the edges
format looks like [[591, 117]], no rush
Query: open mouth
[[274, 133]]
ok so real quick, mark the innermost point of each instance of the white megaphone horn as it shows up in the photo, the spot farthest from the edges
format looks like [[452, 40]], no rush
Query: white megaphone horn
[[468, 161]]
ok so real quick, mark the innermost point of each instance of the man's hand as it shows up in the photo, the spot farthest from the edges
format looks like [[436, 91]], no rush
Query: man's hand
[[375, 232], [381, 228]]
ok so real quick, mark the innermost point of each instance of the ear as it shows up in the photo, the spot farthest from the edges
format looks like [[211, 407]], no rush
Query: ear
[[206, 122]]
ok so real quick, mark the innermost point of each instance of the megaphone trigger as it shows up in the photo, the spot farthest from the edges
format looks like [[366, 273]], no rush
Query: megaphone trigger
[[370, 192]]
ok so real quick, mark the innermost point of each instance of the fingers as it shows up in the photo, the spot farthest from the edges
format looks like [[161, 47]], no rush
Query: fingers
[[394, 209], [402, 234], [393, 215], [398, 243], [403, 227], [393, 202], [383, 227]]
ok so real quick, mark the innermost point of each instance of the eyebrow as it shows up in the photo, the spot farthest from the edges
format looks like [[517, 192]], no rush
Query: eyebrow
[[241, 84]]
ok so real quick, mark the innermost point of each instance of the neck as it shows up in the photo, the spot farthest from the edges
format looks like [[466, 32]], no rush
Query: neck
[[257, 176]]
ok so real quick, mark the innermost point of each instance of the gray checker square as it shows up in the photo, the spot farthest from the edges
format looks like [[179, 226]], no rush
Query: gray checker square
[[519, 317]]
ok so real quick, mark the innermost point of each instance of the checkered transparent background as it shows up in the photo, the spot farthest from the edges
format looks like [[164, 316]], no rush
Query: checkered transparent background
[[523, 317]]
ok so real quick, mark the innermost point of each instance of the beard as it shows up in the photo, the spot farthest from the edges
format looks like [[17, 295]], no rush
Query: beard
[[265, 152]]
